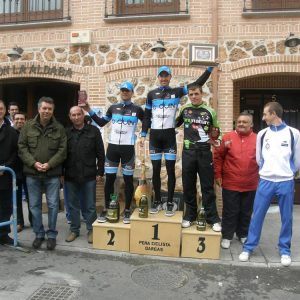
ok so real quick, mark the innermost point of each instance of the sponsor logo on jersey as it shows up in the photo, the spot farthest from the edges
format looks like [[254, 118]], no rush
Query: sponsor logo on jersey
[[123, 122], [165, 106]]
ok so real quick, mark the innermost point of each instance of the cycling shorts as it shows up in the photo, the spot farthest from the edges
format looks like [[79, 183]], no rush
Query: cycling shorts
[[117, 153], [162, 141]]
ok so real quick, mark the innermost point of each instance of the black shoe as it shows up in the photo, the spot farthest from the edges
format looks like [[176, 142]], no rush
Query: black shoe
[[37, 243], [157, 206], [170, 211], [102, 218], [6, 240], [127, 214], [51, 243]]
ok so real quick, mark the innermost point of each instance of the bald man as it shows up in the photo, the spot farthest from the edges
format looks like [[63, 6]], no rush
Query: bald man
[[83, 168]]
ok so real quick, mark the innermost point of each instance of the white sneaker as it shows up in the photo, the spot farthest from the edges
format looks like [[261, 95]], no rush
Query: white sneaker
[[217, 227], [243, 240], [285, 260], [244, 256], [186, 224], [225, 244]]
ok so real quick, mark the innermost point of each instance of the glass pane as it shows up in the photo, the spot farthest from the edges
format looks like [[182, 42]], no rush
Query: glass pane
[[10, 6], [42, 5], [162, 1], [135, 1]]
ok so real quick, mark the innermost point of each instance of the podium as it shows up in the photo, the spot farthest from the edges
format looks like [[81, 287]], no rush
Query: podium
[[111, 236], [200, 244], [156, 235]]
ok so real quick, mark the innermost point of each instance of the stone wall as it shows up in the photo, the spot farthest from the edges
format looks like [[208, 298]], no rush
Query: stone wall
[[115, 58]]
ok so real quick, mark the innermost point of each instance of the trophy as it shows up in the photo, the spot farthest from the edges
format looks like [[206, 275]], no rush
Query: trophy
[[82, 98]]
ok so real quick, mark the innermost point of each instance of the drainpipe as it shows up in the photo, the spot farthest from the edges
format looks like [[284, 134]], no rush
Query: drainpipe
[[214, 39]]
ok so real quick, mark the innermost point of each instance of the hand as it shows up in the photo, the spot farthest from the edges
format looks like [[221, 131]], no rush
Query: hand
[[214, 143], [38, 166], [45, 167], [219, 182], [1, 173], [142, 141], [86, 107]]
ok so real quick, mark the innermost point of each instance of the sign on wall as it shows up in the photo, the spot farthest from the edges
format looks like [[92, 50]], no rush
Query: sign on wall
[[203, 54], [36, 69]]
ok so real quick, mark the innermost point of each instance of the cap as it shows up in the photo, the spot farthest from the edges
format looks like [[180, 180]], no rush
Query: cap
[[127, 85], [164, 69]]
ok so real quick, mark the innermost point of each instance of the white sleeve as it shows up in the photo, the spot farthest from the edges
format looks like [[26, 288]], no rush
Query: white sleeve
[[296, 148], [258, 146]]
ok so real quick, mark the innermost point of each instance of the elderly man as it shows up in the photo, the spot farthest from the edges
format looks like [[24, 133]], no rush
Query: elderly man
[[236, 171], [8, 155], [42, 148], [83, 167], [278, 157]]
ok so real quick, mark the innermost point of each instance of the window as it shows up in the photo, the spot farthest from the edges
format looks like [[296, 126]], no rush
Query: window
[[14, 11], [133, 7], [271, 4]]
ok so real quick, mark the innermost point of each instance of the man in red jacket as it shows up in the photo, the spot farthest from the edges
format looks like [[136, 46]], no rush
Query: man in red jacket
[[236, 171]]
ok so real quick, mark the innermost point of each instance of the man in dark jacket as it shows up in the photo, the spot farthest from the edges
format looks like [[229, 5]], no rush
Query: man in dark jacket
[[19, 120], [8, 155], [83, 167], [42, 148]]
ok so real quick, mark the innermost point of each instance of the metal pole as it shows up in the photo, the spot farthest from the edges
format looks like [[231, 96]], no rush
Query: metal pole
[[14, 200]]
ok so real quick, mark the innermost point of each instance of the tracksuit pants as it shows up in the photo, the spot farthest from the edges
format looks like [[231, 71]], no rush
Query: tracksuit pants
[[265, 192]]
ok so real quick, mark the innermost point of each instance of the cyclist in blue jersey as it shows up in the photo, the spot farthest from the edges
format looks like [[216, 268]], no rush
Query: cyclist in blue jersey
[[160, 113], [124, 117]]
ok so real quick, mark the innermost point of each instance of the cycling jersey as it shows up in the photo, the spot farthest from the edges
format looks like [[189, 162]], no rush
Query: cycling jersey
[[198, 122], [124, 117], [162, 103]]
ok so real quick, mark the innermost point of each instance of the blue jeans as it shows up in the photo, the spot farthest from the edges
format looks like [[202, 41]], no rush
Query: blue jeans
[[35, 187], [88, 190], [67, 206]]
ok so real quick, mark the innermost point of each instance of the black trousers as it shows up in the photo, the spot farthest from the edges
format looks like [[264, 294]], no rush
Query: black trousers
[[199, 162], [237, 211], [5, 210]]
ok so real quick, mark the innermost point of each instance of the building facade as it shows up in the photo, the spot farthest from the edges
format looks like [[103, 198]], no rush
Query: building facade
[[95, 45]]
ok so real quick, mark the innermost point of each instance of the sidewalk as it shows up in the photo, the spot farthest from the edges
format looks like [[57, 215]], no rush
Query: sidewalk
[[266, 255]]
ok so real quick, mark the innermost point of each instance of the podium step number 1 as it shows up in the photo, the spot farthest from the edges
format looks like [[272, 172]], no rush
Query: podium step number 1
[[156, 235]]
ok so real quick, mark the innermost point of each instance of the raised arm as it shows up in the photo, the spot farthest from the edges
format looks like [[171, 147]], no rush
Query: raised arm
[[203, 78]]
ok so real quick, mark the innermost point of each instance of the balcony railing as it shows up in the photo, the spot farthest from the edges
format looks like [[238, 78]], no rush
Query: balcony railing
[[124, 8], [271, 5], [30, 11]]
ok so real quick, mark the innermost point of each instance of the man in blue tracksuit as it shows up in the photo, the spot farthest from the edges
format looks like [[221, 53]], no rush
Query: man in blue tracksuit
[[278, 157]]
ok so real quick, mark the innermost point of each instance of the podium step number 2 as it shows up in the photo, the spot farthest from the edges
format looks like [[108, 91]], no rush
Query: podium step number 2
[[111, 236]]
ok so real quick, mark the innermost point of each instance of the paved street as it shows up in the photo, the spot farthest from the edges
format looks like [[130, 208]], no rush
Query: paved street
[[76, 271]]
